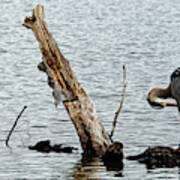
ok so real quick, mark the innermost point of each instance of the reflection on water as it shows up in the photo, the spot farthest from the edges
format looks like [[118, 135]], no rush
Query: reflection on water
[[88, 167], [98, 38]]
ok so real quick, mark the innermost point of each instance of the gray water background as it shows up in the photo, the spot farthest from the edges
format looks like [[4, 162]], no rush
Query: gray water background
[[98, 37]]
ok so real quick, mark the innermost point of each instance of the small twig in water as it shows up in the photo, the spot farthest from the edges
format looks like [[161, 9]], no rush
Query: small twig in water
[[121, 103], [14, 125]]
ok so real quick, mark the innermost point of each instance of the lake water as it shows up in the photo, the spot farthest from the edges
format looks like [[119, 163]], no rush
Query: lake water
[[98, 37]]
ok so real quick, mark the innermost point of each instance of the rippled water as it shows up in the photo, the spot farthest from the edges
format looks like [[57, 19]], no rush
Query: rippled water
[[98, 38]]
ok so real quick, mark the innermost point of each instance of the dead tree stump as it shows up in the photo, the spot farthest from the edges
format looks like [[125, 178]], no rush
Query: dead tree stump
[[66, 88]]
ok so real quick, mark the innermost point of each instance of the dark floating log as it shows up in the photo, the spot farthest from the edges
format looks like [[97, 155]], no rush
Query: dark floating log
[[114, 166], [113, 157], [114, 153], [45, 146], [159, 157]]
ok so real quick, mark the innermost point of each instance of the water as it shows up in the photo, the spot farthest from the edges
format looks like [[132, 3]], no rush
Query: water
[[98, 38]]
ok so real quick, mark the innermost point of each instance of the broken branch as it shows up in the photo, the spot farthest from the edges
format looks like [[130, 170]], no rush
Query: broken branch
[[14, 125], [121, 102]]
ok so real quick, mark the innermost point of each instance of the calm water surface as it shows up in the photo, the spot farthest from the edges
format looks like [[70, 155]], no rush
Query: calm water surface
[[98, 37]]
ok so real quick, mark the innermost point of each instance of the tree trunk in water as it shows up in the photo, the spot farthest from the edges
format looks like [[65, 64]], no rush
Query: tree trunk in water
[[93, 137]]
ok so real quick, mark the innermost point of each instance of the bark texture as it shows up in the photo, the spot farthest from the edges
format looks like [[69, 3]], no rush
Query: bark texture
[[66, 88]]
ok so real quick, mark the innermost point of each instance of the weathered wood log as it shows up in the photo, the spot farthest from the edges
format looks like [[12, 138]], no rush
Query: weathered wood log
[[93, 137]]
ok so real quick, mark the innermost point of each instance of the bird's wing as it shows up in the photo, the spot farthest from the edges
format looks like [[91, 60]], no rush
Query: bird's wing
[[175, 89]]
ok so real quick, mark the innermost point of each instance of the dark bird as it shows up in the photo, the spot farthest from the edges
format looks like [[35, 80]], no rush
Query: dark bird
[[156, 95]]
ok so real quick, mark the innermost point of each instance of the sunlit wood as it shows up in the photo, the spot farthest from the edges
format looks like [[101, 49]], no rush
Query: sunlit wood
[[66, 88]]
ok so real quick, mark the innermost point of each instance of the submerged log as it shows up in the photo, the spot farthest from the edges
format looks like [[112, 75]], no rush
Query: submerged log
[[45, 146], [66, 88], [158, 157]]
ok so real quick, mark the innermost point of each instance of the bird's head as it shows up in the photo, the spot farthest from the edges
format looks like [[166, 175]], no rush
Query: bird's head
[[156, 96]]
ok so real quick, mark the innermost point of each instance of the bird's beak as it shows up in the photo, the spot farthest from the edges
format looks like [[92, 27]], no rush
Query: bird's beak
[[160, 104], [171, 104]]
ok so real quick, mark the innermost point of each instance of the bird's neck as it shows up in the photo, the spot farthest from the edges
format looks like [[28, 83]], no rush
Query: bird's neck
[[161, 93], [156, 95]]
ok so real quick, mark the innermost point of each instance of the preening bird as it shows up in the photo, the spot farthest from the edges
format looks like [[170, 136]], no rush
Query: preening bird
[[156, 95]]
